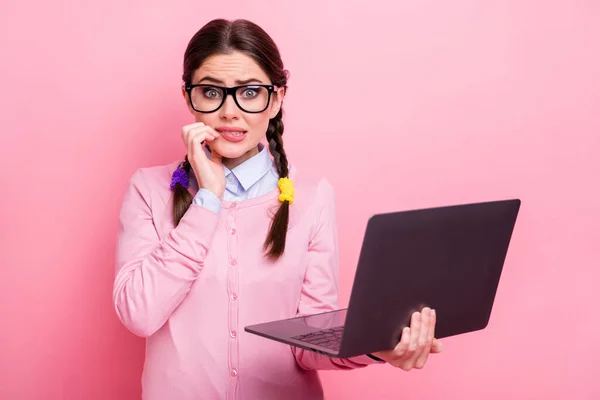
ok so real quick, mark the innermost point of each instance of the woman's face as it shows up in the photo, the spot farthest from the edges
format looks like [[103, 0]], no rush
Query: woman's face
[[233, 69]]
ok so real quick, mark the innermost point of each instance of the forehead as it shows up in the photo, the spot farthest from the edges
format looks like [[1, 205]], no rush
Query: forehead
[[231, 67]]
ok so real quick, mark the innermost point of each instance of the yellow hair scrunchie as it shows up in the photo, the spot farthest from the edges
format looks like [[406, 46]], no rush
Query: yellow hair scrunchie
[[287, 190]]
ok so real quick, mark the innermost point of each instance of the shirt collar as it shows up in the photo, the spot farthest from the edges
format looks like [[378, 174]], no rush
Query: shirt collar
[[252, 170]]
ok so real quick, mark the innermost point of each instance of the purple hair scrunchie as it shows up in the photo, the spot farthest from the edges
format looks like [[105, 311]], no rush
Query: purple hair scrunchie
[[181, 177]]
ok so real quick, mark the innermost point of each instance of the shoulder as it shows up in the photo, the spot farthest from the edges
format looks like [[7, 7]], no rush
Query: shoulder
[[153, 181], [312, 187], [158, 176]]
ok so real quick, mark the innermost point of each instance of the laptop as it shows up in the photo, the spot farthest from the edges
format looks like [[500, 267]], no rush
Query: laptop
[[449, 258]]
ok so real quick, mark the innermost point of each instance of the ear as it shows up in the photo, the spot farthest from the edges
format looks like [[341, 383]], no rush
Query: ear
[[187, 99], [276, 102]]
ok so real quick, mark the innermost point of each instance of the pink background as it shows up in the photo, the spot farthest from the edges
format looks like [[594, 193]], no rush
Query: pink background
[[401, 104]]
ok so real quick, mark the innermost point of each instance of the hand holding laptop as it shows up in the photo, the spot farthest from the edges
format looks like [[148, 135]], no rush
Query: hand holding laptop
[[416, 343]]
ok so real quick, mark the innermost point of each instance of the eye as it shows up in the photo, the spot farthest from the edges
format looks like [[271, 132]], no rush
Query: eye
[[249, 93], [211, 93]]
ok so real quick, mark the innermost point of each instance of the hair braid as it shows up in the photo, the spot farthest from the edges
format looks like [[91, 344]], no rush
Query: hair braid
[[183, 198], [275, 242]]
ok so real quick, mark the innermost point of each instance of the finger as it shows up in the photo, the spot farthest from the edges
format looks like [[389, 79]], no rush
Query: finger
[[195, 148], [185, 130], [432, 322], [402, 346], [426, 338], [415, 348], [198, 127], [197, 136], [407, 360], [415, 332], [189, 131], [193, 125], [437, 346], [207, 132]]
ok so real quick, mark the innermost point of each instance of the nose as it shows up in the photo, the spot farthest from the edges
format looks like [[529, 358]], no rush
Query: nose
[[229, 110]]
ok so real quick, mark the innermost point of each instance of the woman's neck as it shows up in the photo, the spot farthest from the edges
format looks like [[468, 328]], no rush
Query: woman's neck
[[231, 163]]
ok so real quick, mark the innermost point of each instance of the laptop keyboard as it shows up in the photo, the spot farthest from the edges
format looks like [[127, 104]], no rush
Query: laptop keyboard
[[328, 338]]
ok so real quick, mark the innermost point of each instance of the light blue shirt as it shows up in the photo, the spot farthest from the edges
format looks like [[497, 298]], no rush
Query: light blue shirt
[[252, 178]]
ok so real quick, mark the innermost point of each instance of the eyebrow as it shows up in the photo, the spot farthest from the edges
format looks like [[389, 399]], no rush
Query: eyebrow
[[237, 82]]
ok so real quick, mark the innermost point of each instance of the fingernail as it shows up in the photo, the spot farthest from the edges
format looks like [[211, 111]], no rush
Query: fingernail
[[433, 312]]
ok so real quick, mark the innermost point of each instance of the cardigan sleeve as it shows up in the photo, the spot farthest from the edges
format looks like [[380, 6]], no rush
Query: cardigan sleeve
[[320, 288], [154, 276]]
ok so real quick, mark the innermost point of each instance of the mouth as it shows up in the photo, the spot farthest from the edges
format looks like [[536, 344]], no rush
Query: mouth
[[238, 133], [232, 134]]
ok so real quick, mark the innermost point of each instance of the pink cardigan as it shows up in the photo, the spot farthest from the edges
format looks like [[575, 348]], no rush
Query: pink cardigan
[[192, 289]]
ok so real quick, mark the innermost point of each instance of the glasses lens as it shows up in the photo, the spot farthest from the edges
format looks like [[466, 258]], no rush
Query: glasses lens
[[206, 98], [252, 98]]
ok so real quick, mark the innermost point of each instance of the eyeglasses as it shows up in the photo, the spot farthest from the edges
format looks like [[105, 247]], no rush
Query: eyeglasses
[[249, 98]]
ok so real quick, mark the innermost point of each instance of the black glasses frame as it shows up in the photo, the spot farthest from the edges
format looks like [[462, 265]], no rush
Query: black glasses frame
[[230, 91]]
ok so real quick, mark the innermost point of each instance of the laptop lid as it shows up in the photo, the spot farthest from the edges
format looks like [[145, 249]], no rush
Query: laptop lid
[[448, 258]]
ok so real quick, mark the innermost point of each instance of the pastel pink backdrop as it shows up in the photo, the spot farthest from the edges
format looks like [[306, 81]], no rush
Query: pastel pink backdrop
[[401, 104]]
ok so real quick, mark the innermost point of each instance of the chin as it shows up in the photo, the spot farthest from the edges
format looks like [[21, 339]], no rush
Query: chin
[[232, 150]]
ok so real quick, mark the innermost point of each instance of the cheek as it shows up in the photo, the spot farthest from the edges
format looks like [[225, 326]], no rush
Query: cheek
[[258, 123], [207, 119]]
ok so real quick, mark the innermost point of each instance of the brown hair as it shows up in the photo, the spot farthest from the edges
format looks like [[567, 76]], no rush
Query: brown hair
[[221, 37]]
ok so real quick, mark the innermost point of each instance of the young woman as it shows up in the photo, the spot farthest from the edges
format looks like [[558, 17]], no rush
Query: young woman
[[234, 235]]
